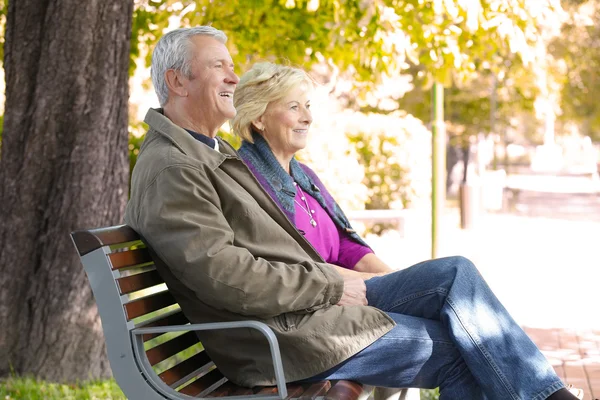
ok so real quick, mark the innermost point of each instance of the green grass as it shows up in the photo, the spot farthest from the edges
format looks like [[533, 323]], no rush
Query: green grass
[[32, 389]]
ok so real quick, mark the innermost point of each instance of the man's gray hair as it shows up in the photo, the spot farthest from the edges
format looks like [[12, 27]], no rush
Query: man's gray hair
[[173, 51]]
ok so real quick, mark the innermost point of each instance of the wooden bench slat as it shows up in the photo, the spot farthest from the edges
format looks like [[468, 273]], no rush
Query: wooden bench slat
[[130, 258], [224, 390], [133, 283], [293, 389], [90, 240], [184, 368], [316, 389], [177, 318], [344, 390], [148, 304], [172, 347], [241, 391], [202, 383]]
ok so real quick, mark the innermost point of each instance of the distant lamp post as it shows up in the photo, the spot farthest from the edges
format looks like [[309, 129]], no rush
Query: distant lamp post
[[438, 167], [493, 106]]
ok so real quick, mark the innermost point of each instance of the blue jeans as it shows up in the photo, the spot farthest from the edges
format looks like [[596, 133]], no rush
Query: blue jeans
[[451, 333]]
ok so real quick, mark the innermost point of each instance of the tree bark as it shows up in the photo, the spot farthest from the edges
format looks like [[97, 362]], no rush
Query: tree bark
[[63, 167]]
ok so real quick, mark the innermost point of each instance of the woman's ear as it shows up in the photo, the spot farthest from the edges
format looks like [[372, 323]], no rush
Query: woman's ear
[[258, 124], [175, 83]]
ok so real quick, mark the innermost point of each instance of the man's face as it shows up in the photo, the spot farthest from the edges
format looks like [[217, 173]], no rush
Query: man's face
[[212, 81]]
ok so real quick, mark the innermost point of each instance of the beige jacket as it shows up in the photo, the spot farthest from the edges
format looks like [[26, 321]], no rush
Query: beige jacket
[[228, 253]]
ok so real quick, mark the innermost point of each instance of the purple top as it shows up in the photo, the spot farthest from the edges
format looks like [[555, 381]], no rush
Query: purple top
[[330, 242]]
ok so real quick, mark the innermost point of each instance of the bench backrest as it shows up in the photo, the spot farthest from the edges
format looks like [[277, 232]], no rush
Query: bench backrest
[[130, 294]]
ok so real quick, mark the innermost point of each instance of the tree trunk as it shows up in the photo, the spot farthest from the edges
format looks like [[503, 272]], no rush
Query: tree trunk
[[64, 166]]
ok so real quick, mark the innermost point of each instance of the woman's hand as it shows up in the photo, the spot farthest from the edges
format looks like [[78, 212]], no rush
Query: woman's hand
[[365, 276], [355, 291]]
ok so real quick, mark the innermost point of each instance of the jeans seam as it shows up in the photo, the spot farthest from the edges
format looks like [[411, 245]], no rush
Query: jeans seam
[[483, 351], [416, 296], [418, 339]]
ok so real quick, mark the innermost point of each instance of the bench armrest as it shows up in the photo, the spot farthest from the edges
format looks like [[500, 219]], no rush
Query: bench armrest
[[263, 328]]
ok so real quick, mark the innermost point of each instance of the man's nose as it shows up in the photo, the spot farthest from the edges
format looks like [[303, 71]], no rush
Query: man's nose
[[232, 78]]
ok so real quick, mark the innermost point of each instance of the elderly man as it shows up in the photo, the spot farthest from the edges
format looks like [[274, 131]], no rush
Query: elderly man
[[227, 253]]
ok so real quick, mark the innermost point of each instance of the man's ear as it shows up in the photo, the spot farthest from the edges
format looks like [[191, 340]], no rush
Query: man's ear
[[174, 81]]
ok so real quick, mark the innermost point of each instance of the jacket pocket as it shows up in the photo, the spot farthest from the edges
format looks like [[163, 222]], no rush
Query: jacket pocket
[[286, 322]]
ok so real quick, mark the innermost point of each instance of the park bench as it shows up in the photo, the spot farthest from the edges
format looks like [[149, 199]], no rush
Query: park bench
[[153, 349]]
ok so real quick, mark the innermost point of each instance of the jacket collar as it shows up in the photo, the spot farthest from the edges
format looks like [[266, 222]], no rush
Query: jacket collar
[[186, 143]]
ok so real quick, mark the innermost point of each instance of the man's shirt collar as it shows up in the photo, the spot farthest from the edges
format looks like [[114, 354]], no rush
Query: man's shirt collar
[[210, 142]]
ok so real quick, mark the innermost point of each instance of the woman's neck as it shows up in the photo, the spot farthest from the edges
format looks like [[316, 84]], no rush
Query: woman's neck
[[284, 160]]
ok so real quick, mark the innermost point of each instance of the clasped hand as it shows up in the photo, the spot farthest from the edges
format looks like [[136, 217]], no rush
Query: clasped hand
[[355, 292]]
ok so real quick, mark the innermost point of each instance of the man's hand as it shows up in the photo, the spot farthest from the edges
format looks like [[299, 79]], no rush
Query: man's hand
[[355, 292]]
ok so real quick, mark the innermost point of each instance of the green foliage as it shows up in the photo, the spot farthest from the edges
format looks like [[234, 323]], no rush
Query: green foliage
[[33, 389], [395, 153], [385, 178], [135, 142], [150, 18], [368, 38], [468, 105], [233, 140], [579, 47], [282, 31], [433, 394], [384, 175]]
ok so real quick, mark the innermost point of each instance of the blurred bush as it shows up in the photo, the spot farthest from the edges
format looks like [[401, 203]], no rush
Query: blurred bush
[[395, 151]]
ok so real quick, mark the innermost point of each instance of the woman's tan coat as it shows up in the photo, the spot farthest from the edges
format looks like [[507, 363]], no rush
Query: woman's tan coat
[[228, 253]]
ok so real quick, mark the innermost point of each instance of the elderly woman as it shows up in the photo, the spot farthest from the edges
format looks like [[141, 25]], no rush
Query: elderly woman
[[272, 132], [451, 331]]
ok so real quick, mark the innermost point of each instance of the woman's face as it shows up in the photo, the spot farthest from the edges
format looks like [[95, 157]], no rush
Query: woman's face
[[285, 122]]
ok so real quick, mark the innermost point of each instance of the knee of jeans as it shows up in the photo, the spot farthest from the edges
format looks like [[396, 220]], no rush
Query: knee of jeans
[[463, 264]]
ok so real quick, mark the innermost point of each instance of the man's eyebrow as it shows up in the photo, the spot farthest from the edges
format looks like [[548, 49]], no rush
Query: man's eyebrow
[[223, 60]]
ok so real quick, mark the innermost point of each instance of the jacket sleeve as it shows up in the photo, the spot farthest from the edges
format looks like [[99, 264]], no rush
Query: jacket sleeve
[[189, 232]]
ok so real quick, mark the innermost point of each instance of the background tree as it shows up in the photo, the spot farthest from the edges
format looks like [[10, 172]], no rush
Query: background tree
[[468, 104], [369, 38], [578, 50], [64, 166]]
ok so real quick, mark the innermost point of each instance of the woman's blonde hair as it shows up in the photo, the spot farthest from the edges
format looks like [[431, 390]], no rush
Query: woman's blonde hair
[[264, 83]]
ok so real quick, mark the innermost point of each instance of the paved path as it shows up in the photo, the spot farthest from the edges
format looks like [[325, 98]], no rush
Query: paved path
[[542, 261], [574, 354]]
